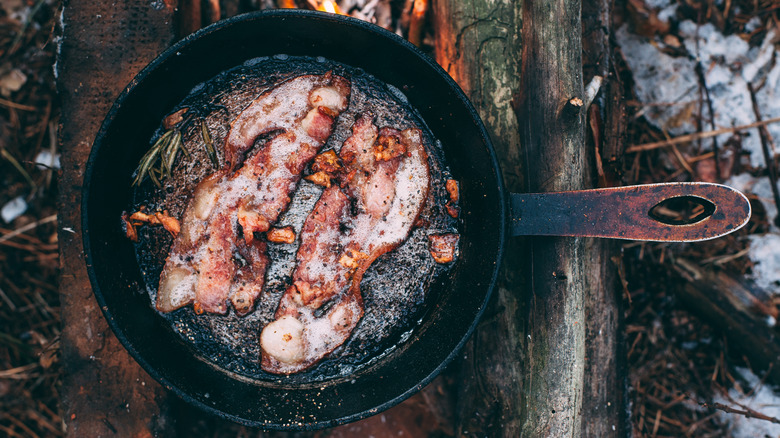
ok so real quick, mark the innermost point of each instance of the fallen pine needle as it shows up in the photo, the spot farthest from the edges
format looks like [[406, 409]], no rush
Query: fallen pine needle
[[28, 227]]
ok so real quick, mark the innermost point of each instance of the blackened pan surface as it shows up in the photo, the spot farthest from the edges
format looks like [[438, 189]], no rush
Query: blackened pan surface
[[457, 298], [394, 288]]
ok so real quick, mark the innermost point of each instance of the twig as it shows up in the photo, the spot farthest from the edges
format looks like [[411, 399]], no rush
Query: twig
[[28, 227], [14, 162], [722, 259], [703, 81], [7, 300], [18, 106], [691, 137], [747, 412], [591, 90], [768, 160], [16, 373], [683, 161]]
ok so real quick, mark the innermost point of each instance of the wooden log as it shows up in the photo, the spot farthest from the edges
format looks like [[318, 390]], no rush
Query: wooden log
[[478, 43], [492, 395], [104, 44], [736, 307], [604, 410], [552, 127]]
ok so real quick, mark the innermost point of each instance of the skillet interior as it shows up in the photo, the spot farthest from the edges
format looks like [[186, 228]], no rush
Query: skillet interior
[[459, 296]]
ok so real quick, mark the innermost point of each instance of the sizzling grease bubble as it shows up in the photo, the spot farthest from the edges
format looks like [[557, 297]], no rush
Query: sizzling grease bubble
[[197, 88], [394, 289], [255, 61], [398, 94]]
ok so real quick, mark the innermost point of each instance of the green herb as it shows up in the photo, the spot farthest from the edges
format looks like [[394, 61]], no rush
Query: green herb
[[204, 132], [158, 162]]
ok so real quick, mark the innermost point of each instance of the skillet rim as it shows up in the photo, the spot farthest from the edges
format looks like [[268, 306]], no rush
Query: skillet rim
[[281, 14]]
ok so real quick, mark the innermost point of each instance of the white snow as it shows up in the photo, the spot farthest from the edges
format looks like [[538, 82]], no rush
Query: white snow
[[764, 254], [13, 209], [762, 188], [764, 249], [45, 159], [729, 63], [764, 399]]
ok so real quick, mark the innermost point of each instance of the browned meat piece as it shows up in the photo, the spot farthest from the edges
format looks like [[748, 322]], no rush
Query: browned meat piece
[[443, 247], [453, 190], [452, 210], [216, 256], [250, 275], [170, 224], [281, 235], [380, 195]]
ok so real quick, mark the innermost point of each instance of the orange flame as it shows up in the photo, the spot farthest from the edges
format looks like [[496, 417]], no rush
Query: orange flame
[[329, 6]]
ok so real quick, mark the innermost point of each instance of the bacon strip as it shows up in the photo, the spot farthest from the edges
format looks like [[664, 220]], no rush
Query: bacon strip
[[216, 257], [382, 187]]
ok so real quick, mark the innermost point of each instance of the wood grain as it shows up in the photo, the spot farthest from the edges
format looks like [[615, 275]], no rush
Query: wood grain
[[478, 43], [104, 44]]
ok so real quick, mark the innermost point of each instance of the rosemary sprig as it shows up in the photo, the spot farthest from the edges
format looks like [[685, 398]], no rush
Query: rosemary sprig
[[204, 132], [157, 163], [150, 158]]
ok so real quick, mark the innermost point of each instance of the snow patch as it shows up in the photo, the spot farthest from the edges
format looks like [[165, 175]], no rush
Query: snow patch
[[670, 88], [766, 261], [13, 209], [764, 399], [45, 159]]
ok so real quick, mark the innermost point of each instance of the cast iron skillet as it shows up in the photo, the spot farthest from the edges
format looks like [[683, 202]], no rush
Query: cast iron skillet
[[459, 299]]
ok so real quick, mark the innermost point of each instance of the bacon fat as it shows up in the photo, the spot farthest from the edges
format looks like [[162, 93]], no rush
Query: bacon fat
[[216, 257], [383, 181]]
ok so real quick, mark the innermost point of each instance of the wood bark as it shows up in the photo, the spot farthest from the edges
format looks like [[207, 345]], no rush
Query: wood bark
[[552, 127], [604, 396], [478, 43], [524, 372], [104, 391]]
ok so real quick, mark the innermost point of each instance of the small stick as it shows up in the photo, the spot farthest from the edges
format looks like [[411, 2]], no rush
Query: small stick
[[747, 412], [592, 89], [768, 159], [28, 227], [18, 106], [7, 300], [703, 81], [691, 137]]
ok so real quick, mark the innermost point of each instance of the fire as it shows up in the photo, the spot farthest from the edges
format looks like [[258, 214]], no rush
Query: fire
[[329, 6]]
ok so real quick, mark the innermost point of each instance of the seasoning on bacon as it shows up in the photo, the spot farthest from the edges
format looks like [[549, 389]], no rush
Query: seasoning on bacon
[[217, 257], [382, 180]]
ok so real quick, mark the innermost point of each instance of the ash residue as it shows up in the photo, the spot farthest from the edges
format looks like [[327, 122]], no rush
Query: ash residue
[[394, 289]]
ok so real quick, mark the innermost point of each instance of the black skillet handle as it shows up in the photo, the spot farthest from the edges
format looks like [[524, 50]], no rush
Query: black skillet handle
[[626, 212]]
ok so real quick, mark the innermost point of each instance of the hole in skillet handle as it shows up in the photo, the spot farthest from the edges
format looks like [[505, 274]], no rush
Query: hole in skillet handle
[[682, 210]]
